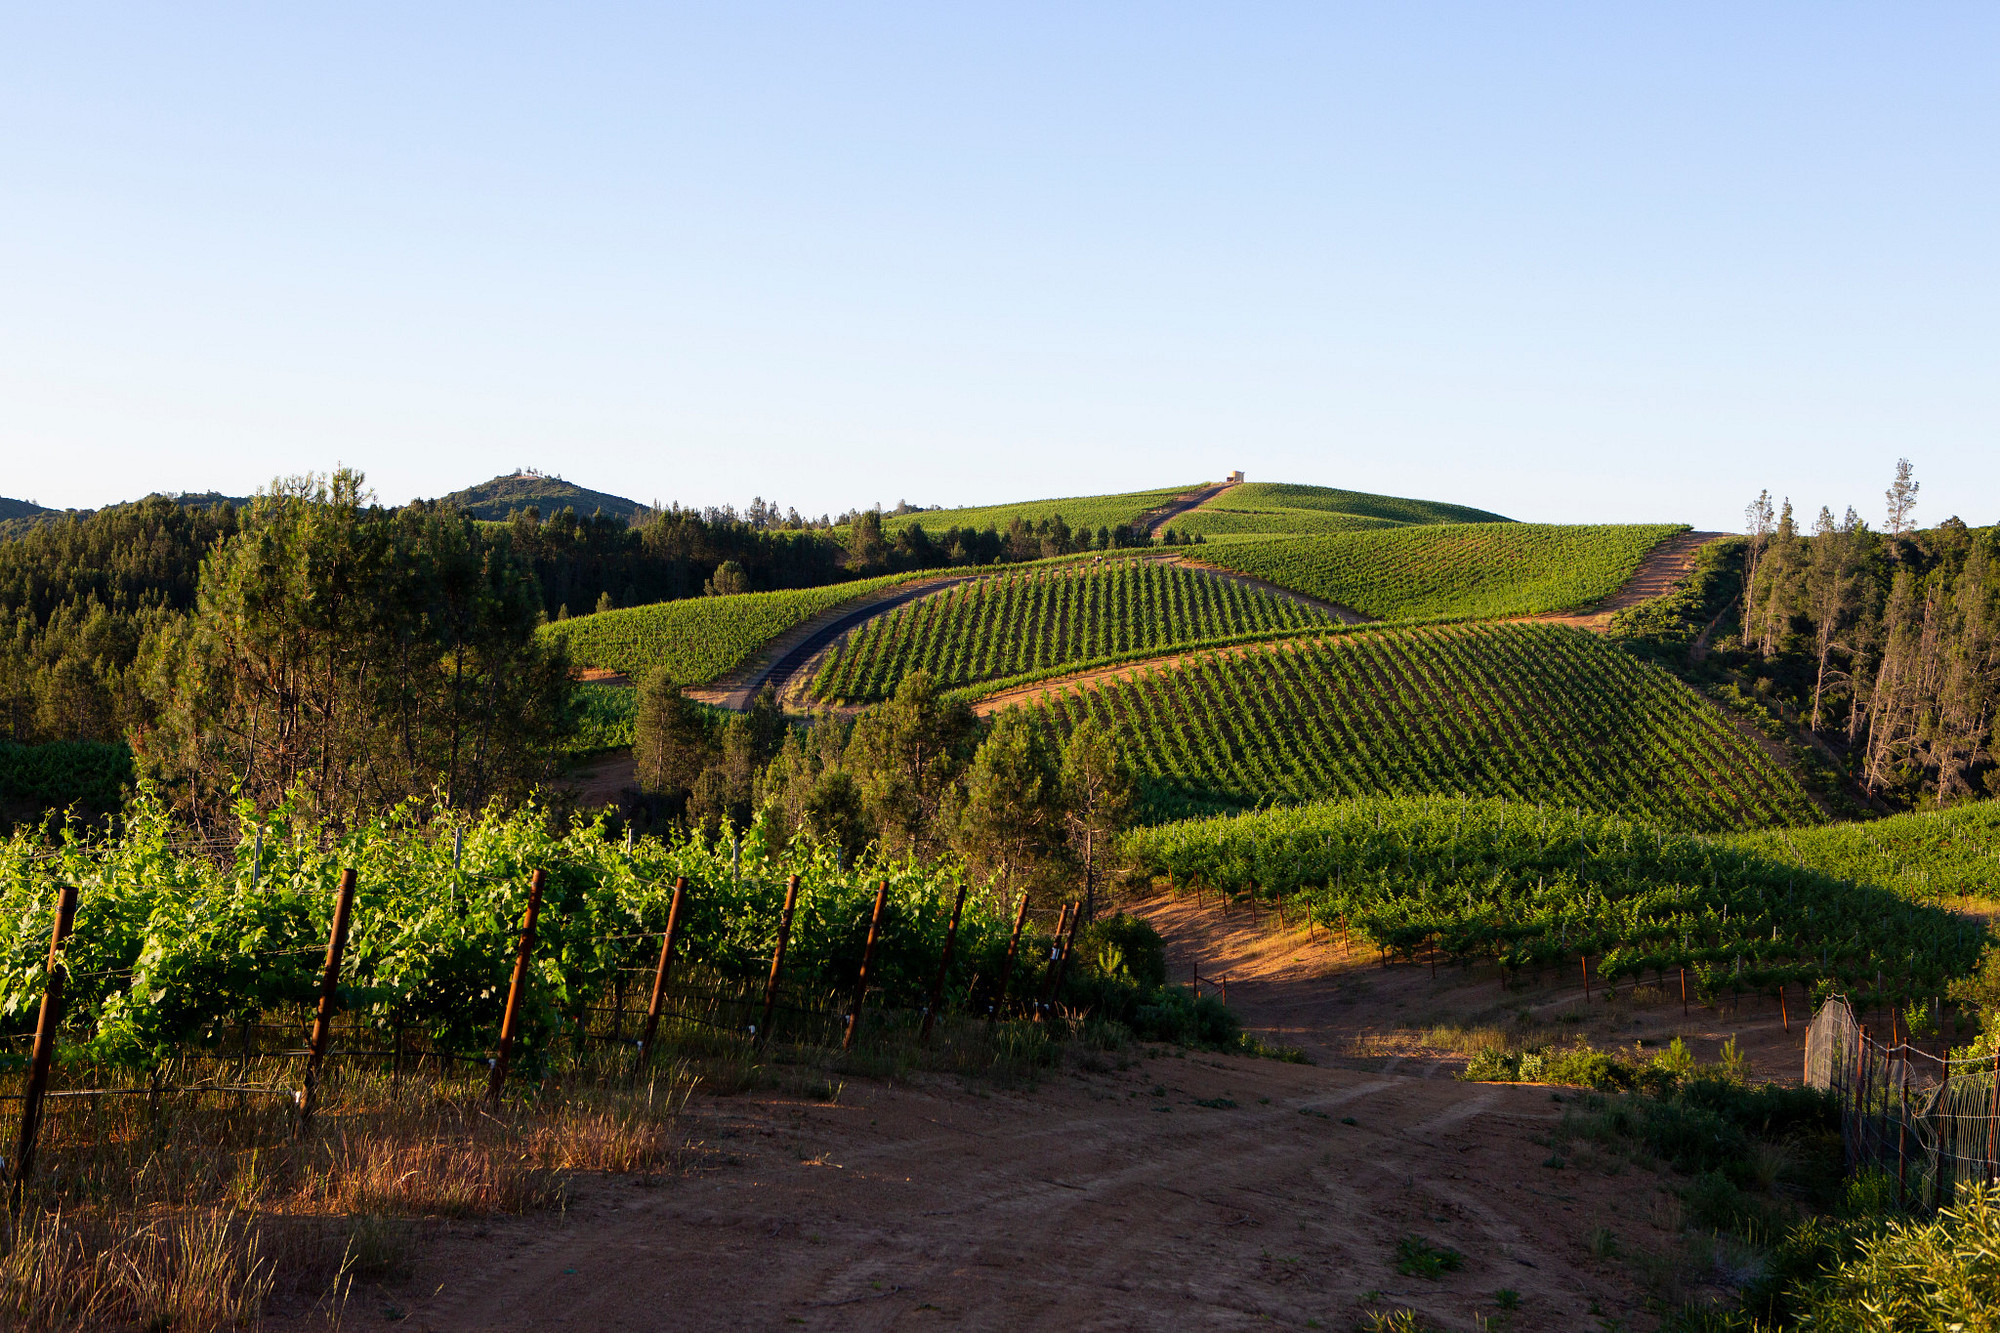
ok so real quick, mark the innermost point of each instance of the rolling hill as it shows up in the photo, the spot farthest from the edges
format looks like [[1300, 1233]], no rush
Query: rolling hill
[[1274, 508], [1526, 712], [1018, 623], [494, 500], [1452, 570]]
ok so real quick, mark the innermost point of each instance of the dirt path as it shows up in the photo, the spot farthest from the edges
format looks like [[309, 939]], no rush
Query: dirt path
[[1107, 1199], [1343, 1008], [1077, 680], [1145, 1189], [784, 657], [1664, 566], [1153, 519]]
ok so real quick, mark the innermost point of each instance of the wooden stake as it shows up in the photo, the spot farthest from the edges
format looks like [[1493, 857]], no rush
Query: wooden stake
[[1007, 966], [1586, 978], [519, 983], [763, 1030], [45, 1044], [659, 997], [867, 958], [944, 966], [1062, 968], [1783, 1012], [329, 982], [1684, 992]]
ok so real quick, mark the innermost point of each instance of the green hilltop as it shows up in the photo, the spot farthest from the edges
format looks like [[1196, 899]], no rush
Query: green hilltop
[[494, 500]]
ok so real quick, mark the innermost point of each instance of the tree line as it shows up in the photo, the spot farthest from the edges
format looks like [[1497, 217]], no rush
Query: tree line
[[1884, 645], [917, 774], [81, 597]]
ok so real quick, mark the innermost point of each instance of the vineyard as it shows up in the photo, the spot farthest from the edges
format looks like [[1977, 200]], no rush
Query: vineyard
[[1536, 888], [696, 639], [1015, 624], [1083, 511], [1934, 854], [1458, 570], [176, 949], [1536, 713], [1273, 508]]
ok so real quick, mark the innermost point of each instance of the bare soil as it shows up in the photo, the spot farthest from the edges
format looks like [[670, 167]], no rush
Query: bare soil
[[1142, 1189]]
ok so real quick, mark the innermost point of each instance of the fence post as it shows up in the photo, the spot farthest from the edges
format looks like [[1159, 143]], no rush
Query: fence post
[[1993, 1117], [944, 965], [660, 973], [1007, 967], [867, 959], [329, 982], [45, 1043], [763, 1033], [1062, 969], [1055, 955], [512, 1015]]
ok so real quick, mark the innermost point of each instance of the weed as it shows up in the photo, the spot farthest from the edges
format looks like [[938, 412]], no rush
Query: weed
[[1417, 1257], [1507, 1298]]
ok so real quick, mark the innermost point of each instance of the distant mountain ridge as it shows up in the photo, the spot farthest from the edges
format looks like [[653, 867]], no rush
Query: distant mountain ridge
[[12, 509], [494, 500]]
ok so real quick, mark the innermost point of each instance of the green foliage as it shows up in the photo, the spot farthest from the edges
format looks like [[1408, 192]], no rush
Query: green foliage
[[79, 596], [1090, 511], [172, 947], [351, 656], [1932, 854], [1942, 1273], [1127, 947], [60, 775], [601, 717], [1417, 1257], [1454, 570], [1033, 621], [698, 638], [1534, 888], [1528, 712]]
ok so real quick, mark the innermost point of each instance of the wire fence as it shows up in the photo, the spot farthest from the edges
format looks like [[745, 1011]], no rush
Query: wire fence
[[1932, 1123]]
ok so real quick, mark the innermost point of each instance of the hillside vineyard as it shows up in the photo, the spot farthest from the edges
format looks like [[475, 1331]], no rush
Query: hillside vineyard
[[1453, 570], [1537, 713], [1009, 626], [1532, 888]]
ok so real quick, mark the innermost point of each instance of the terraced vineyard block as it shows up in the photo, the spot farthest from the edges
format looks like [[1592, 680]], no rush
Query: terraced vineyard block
[[1527, 712], [1008, 626]]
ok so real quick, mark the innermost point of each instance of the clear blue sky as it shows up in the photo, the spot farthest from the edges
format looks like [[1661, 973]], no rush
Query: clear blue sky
[[1589, 262]]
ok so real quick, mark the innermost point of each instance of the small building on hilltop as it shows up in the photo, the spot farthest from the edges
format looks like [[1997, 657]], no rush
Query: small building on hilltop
[[1233, 479]]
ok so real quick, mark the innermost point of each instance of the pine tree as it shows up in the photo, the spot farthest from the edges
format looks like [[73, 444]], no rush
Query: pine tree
[[1902, 497]]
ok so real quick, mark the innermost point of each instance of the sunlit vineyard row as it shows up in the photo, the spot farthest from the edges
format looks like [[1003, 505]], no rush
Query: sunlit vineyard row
[[1528, 712], [1452, 570], [1014, 624], [1537, 889], [696, 639], [173, 946], [1951, 853]]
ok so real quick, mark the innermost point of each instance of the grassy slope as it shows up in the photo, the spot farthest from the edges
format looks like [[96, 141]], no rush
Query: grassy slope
[[1459, 569], [1004, 627], [1539, 713], [696, 639], [1091, 511], [1285, 508], [1930, 854]]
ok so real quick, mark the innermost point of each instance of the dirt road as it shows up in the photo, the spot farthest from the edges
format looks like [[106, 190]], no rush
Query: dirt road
[[1142, 1189], [1182, 1192]]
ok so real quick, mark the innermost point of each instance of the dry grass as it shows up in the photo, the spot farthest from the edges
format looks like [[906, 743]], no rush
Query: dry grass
[[201, 1210], [194, 1211]]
